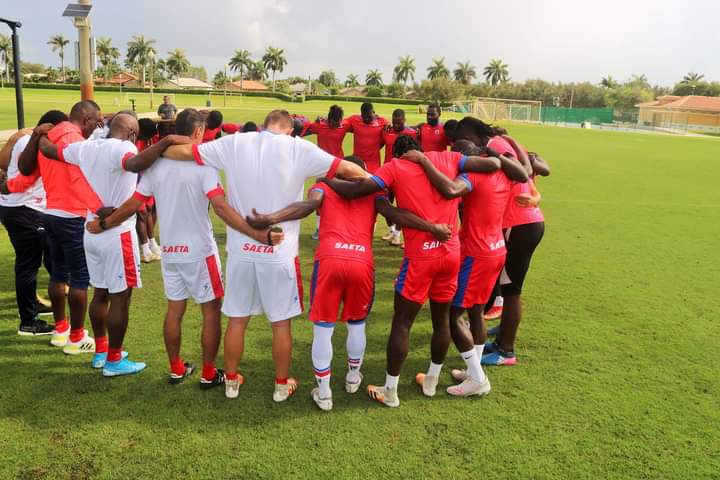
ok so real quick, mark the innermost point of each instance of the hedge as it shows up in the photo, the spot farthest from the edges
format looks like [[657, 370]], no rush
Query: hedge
[[341, 98]]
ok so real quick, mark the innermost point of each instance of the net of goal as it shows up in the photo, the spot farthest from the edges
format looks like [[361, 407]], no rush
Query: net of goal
[[498, 109]]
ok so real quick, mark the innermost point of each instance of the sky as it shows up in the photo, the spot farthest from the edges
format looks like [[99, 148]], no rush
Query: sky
[[557, 40]]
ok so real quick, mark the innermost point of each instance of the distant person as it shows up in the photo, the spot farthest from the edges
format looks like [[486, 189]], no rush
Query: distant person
[[250, 127], [331, 131], [367, 131], [147, 215], [432, 133], [167, 110], [213, 126]]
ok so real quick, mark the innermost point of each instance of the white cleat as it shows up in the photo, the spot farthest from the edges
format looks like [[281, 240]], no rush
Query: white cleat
[[60, 339], [284, 391], [84, 345], [324, 404], [352, 386], [428, 384], [232, 387], [470, 387], [459, 375], [386, 396]]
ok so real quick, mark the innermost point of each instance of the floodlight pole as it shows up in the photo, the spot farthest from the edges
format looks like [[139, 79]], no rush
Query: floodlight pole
[[19, 107], [86, 74]]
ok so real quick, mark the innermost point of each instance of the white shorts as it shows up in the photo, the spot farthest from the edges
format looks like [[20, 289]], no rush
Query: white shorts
[[113, 260], [274, 289], [201, 280]]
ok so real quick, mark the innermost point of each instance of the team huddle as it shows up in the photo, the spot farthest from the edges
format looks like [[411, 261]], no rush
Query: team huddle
[[79, 189]]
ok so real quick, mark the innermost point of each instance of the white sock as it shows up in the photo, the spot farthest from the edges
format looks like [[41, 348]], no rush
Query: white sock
[[317, 222], [479, 349], [145, 249], [393, 229], [434, 369], [153, 244], [474, 369], [356, 342], [322, 353], [498, 301], [391, 381]]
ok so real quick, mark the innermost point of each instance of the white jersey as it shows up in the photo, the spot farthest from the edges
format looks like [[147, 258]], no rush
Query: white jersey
[[33, 197], [182, 193], [102, 162], [267, 172]]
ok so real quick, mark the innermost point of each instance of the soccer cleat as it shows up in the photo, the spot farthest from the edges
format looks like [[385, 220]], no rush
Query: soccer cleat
[[499, 358], [60, 339], [493, 332], [428, 384], [175, 378], [494, 313], [216, 381], [459, 375], [99, 359], [43, 306], [388, 236], [284, 391], [324, 404], [37, 327], [155, 250], [353, 387], [470, 387], [396, 241], [122, 367], [232, 387], [387, 397], [315, 235], [84, 345]]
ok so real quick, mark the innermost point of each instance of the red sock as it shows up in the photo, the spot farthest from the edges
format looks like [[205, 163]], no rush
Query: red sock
[[101, 344], [177, 366], [62, 326], [77, 334], [114, 354], [281, 381], [209, 370], [232, 376]]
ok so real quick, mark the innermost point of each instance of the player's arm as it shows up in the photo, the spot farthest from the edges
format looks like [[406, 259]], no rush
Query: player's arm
[[145, 159], [521, 154], [6, 151], [235, 221], [539, 165], [530, 199], [27, 162], [119, 215], [294, 211], [351, 190], [405, 218], [447, 188], [351, 171]]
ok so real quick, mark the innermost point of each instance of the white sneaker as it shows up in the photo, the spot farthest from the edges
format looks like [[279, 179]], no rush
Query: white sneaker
[[60, 339], [324, 404], [386, 396], [155, 250], [428, 384], [396, 240], [232, 387], [470, 387], [350, 386], [284, 391], [388, 236], [459, 375], [85, 345], [147, 258]]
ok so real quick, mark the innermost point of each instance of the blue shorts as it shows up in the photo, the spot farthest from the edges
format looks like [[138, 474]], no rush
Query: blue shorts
[[67, 252]]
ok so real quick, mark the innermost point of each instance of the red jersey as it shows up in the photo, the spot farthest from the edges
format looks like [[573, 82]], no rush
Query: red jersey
[[347, 226], [390, 135], [367, 140], [433, 139], [144, 144], [483, 212], [328, 138], [501, 146], [231, 128], [305, 124], [516, 214], [210, 134], [414, 192]]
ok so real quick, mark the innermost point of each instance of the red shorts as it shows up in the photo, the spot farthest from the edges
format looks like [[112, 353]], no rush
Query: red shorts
[[476, 280], [336, 280], [434, 278], [149, 203]]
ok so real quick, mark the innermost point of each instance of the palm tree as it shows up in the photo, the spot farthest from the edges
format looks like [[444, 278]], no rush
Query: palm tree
[[496, 72], [58, 43], [405, 69], [640, 81], [328, 78], [608, 82], [257, 71], [438, 69], [464, 73], [177, 63], [138, 53], [373, 78], [274, 60], [352, 80], [241, 62], [107, 54], [692, 79], [5, 52]]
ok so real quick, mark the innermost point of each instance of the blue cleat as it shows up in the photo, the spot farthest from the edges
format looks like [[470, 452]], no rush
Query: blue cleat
[[98, 360], [498, 358], [493, 332], [122, 367]]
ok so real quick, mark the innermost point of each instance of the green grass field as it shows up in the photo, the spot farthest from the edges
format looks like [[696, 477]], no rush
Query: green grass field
[[617, 377]]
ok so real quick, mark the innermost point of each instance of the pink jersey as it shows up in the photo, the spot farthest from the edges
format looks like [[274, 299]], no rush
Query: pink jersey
[[346, 229], [414, 192], [483, 212], [502, 146], [518, 215]]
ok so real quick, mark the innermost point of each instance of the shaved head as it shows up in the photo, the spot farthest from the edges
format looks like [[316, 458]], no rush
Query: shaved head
[[124, 126], [86, 115]]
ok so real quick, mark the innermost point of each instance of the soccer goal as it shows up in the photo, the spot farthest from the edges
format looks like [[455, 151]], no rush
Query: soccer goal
[[498, 109]]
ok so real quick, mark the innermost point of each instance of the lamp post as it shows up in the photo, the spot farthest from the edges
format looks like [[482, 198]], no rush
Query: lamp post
[[151, 56], [18, 78], [79, 12], [225, 85]]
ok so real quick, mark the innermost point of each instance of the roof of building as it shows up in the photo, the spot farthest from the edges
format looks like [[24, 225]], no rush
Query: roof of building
[[186, 82], [690, 102], [120, 78], [249, 85]]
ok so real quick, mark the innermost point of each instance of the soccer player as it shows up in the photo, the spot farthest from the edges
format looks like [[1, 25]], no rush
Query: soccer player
[[147, 215], [331, 132], [389, 135], [432, 133], [367, 131], [110, 166], [430, 267], [483, 252], [69, 197], [190, 264], [265, 170], [21, 215], [343, 272], [213, 126]]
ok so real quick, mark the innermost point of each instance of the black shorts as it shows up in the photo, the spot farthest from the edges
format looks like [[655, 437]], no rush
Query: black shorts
[[67, 251], [520, 242]]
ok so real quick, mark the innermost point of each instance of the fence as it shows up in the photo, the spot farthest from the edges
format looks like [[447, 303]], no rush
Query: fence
[[595, 116]]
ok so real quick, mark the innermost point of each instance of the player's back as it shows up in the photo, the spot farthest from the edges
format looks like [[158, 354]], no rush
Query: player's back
[[483, 213], [59, 179]]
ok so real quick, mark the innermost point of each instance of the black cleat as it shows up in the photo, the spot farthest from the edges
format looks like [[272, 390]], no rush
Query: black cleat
[[207, 384], [37, 327], [189, 369]]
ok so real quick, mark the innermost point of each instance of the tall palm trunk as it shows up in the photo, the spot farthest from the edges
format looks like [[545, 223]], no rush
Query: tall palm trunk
[[273, 81], [241, 78]]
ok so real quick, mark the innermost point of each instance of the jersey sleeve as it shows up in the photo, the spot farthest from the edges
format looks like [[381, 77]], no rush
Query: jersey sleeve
[[313, 161], [214, 154], [127, 150], [20, 183], [69, 153], [385, 176], [318, 187], [211, 185], [146, 187]]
